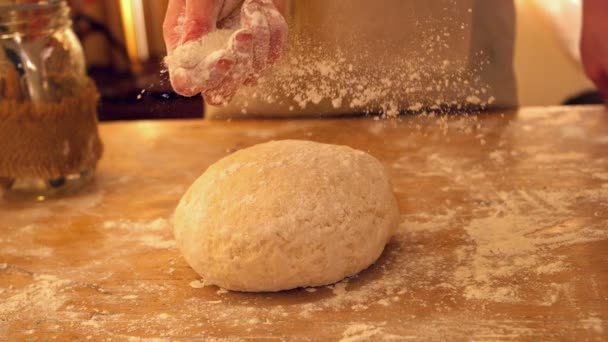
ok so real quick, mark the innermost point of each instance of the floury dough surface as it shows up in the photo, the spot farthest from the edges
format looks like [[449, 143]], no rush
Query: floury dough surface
[[286, 214]]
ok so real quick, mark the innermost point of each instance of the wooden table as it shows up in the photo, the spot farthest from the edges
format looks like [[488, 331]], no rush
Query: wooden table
[[504, 236]]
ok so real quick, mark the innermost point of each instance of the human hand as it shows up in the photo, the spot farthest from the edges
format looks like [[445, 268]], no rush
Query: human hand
[[594, 43], [258, 42]]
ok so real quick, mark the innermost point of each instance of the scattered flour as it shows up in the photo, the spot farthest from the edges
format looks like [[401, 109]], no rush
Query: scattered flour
[[197, 284], [345, 82], [563, 157], [159, 224], [154, 234], [312, 77], [45, 294], [361, 332], [594, 324], [601, 176], [573, 132]]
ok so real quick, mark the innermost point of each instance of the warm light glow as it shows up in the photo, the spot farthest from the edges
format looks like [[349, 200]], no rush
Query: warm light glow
[[566, 19], [126, 11], [556, 7], [134, 27], [150, 130], [140, 29]]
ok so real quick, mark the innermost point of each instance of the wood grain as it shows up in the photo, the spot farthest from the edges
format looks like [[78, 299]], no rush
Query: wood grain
[[504, 236]]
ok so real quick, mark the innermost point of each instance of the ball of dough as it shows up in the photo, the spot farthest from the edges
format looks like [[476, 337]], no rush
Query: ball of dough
[[286, 214]]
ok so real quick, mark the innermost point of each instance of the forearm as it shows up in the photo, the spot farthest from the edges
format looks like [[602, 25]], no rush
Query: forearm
[[594, 43]]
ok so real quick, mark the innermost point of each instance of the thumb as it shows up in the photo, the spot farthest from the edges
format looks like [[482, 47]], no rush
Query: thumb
[[172, 27]]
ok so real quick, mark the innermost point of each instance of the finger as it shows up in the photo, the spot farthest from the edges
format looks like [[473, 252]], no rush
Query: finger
[[278, 31], [270, 30], [215, 70], [592, 69], [182, 84], [201, 18], [208, 74], [229, 78], [602, 84], [172, 27], [241, 45], [255, 21], [599, 77]]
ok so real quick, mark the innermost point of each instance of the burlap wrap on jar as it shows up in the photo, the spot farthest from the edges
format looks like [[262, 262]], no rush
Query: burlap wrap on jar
[[49, 140]]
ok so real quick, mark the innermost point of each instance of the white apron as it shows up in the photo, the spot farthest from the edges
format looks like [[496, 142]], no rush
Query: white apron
[[387, 56]]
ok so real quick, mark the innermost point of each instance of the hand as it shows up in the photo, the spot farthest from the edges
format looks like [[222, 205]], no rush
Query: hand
[[594, 43], [258, 42]]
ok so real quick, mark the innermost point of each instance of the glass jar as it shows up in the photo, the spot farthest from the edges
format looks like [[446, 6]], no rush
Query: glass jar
[[49, 142]]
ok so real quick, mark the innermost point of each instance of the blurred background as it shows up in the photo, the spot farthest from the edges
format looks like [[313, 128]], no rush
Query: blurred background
[[124, 49]]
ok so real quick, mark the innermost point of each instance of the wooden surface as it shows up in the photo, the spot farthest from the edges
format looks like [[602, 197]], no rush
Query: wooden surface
[[504, 236]]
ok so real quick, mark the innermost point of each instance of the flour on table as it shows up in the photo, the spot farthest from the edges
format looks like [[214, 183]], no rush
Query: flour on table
[[602, 140], [498, 246], [361, 333], [601, 176], [45, 293], [594, 324], [155, 233], [197, 284], [158, 224]]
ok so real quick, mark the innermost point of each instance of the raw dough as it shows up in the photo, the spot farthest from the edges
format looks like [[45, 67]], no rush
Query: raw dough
[[286, 214]]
